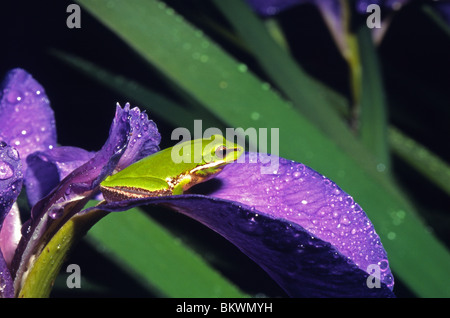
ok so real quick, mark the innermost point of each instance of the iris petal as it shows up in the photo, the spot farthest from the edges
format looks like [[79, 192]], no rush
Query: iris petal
[[299, 226], [10, 186], [26, 118], [47, 168], [80, 185]]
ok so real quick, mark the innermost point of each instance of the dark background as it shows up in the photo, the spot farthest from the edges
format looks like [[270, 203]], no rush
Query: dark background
[[415, 63]]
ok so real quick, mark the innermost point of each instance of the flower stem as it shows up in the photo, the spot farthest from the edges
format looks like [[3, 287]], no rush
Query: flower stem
[[39, 280]]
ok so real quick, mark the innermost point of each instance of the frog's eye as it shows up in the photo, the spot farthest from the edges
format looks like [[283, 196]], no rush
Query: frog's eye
[[221, 152]]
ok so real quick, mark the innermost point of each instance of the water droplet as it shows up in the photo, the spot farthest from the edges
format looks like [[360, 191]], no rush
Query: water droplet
[[6, 170], [389, 279], [391, 236], [13, 153], [265, 86], [381, 167], [161, 5], [384, 265], [14, 97], [255, 115], [242, 68], [170, 11], [296, 174], [56, 212], [345, 220], [336, 191], [349, 201]]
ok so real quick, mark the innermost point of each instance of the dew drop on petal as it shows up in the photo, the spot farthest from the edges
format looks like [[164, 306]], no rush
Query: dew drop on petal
[[6, 171], [384, 265], [13, 97], [296, 174], [13, 154], [56, 213]]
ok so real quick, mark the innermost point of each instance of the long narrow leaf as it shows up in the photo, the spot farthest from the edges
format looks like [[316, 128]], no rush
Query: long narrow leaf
[[422, 159], [373, 119], [157, 258], [314, 100], [154, 103]]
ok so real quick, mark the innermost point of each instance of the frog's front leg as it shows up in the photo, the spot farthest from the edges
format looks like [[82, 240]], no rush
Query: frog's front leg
[[182, 184]]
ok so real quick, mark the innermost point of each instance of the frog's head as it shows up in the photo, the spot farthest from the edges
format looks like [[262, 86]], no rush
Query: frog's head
[[216, 153]]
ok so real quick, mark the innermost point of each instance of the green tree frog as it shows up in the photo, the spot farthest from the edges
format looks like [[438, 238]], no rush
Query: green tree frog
[[171, 171]]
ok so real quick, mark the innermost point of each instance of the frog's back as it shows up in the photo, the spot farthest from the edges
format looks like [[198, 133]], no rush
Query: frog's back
[[162, 164]]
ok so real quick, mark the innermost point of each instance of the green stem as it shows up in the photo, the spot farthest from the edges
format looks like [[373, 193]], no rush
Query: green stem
[[38, 282]]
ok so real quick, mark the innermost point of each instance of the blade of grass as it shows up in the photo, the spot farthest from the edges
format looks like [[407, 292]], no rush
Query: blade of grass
[[155, 103], [157, 258], [372, 119], [423, 160], [434, 16], [225, 86], [311, 97]]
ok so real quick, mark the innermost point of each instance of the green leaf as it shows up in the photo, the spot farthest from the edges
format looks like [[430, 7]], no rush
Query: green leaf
[[227, 88], [315, 101], [46, 266], [436, 18], [170, 111], [158, 258], [373, 119], [422, 159]]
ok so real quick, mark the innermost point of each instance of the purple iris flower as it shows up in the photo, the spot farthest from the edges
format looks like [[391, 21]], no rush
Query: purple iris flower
[[299, 226]]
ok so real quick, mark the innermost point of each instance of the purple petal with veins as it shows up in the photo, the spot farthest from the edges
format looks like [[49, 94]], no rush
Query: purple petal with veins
[[27, 120], [10, 185], [47, 168], [11, 178], [299, 226], [301, 195], [144, 138], [10, 233], [80, 185]]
